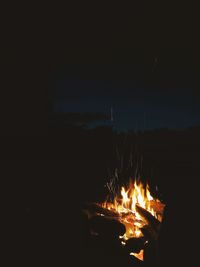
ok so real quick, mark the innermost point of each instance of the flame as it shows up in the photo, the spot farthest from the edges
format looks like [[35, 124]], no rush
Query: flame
[[125, 205], [139, 255]]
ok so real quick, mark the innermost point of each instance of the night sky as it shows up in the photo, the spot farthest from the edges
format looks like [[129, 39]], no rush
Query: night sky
[[141, 61], [145, 66], [134, 104]]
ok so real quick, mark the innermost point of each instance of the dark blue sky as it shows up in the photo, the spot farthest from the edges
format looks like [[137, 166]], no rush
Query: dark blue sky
[[134, 107]]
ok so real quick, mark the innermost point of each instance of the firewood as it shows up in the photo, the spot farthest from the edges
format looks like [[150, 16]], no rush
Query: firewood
[[97, 209], [105, 226], [158, 207], [149, 233], [150, 219]]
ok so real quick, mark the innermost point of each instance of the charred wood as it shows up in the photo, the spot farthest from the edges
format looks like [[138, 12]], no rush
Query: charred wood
[[105, 226], [97, 209], [150, 219]]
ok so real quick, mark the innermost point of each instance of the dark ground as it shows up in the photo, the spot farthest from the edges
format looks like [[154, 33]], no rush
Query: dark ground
[[45, 194]]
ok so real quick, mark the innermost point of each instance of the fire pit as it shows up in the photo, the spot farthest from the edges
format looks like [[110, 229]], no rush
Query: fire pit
[[133, 218]]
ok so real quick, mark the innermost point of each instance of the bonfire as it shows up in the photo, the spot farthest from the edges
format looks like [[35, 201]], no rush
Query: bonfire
[[137, 210]]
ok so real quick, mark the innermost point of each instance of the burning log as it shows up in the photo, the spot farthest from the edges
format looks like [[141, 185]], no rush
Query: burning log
[[105, 226], [96, 209], [149, 233], [157, 206], [150, 219]]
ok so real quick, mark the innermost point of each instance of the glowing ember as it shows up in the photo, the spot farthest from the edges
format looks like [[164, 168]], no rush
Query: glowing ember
[[139, 255], [125, 206]]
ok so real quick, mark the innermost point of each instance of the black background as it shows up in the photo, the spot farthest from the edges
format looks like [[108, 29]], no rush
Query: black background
[[39, 181]]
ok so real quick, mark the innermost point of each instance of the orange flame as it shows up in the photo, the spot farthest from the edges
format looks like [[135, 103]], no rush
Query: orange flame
[[125, 206]]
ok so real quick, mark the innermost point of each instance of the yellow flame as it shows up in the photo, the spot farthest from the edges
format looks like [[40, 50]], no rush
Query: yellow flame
[[139, 255], [125, 205], [125, 198]]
